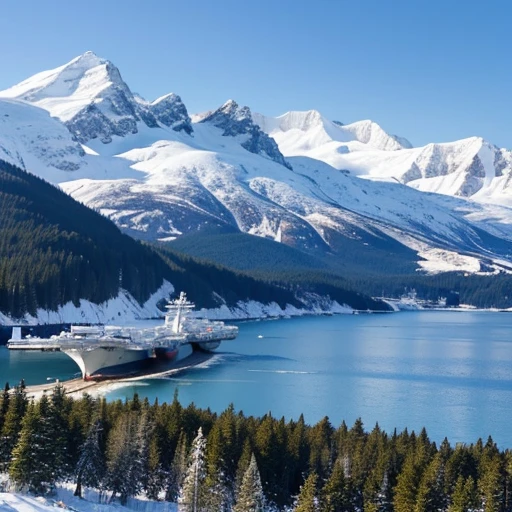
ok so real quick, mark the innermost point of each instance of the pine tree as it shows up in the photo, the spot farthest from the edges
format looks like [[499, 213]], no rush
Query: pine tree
[[123, 479], [250, 496], [178, 469], [90, 469], [4, 405], [336, 495], [12, 425], [29, 468], [192, 494], [431, 496], [307, 500], [464, 497], [406, 488]]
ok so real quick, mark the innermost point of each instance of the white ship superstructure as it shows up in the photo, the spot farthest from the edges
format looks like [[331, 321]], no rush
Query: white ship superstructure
[[103, 352]]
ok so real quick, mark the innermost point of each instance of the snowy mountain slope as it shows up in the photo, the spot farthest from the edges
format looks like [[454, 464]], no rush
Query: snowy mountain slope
[[89, 95], [32, 140], [158, 180], [297, 132], [469, 168], [28, 134], [189, 182]]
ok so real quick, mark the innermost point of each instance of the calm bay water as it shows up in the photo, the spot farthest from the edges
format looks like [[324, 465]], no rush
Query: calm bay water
[[448, 371]]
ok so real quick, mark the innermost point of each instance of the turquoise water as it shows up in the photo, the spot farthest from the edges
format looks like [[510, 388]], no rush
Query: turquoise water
[[448, 371]]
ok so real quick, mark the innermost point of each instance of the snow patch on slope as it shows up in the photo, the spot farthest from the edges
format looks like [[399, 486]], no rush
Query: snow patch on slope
[[118, 310], [439, 260], [29, 136], [246, 310]]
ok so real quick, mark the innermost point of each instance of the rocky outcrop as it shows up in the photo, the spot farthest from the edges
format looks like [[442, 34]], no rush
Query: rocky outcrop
[[237, 121]]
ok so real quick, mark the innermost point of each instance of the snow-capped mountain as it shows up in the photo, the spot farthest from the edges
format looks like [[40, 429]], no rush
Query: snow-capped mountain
[[158, 175], [468, 168], [89, 96], [299, 132]]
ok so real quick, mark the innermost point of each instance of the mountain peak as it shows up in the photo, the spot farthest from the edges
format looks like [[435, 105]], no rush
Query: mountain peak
[[88, 57], [229, 105], [238, 121], [233, 110], [91, 98], [371, 133], [171, 112]]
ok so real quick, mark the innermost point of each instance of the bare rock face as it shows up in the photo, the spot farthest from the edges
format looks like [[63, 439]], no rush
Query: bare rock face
[[171, 112], [237, 121]]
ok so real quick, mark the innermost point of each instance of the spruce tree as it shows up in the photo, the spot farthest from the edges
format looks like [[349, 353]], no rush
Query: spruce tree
[[12, 425], [336, 495], [90, 469], [463, 498], [123, 479], [492, 486], [4, 405], [406, 488], [307, 500], [243, 464], [57, 424], [220, 496], [30, 467], [250, 496], [157, 475], [193, 492], [178, 469], [431, 496]]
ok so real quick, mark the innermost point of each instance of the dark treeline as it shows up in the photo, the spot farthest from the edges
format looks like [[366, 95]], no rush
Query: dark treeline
[[483, 291], [295, 286], [229, 461], [54, 250], [386, 270]]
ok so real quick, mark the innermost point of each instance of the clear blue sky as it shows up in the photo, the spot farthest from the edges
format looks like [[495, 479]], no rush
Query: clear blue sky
[[431, 71]]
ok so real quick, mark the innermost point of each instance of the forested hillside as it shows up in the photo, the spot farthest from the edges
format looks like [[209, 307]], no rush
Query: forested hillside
[[54, 250], [482, 291], [225, 462], [349, 268]]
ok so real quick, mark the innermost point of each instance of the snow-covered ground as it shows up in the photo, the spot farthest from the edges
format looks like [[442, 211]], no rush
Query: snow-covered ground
[[124, 310], [120, 310], [16, 502]]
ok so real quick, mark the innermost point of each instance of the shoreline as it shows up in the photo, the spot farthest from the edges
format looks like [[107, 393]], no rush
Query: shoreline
[[77, 387]]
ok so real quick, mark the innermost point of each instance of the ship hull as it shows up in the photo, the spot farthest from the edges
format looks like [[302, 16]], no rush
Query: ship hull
[[107, 363], [207, 346], [165, 353]]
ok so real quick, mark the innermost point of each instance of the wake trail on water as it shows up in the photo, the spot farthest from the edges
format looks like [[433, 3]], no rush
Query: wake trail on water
[[194, 381], [293, 372]]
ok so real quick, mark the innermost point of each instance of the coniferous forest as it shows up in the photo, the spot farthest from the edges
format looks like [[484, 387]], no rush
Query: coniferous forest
[[229, 461], [54, 250]]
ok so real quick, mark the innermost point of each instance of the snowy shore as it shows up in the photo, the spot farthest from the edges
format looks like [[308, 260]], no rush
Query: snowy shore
[[125, 310]]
